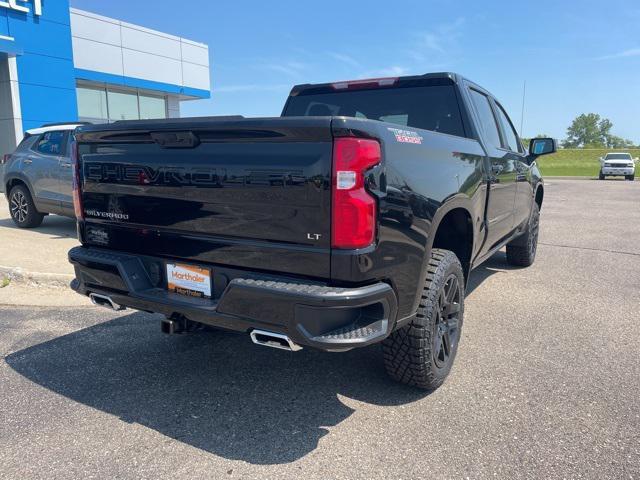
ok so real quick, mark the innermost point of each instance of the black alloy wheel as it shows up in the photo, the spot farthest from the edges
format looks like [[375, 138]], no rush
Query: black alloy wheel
[[447, 323], [422, 352]]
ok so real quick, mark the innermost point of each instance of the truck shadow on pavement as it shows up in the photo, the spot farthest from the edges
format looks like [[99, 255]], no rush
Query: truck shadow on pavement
[[495, 265], [215, 391]]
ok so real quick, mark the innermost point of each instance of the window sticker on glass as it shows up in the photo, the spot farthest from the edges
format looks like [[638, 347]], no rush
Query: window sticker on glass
[[406, 136]]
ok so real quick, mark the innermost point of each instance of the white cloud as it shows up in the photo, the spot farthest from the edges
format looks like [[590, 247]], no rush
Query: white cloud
[[633, 52], [344, 58], [391, 71], [431, 41], [250, 88], [292, 68], [437, 41], [395, 70]]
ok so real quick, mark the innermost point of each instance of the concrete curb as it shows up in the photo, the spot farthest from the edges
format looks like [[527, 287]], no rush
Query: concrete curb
[[19, 275]]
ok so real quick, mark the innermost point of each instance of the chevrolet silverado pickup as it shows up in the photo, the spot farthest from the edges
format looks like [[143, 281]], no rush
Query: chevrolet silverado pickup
[[353, 219]]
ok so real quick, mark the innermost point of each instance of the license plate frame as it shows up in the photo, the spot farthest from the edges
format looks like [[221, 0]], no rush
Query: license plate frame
[[189, 280]]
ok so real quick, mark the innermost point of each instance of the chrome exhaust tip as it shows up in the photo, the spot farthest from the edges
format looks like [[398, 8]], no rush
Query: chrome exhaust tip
[[274, 340], [106, 302]]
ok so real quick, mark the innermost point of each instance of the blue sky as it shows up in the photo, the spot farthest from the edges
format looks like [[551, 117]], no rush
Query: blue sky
[[576, 56]]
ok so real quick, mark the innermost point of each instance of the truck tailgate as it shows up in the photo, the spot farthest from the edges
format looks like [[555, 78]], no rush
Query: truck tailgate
[[244, 193]]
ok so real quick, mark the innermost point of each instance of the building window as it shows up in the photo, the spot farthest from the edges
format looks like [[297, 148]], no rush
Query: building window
[[152, 107], [123, 106], [92, 105], [103, 105]]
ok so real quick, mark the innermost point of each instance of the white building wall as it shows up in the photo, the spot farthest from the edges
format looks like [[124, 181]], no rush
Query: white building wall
[[10, 112], [173, 106], [107, 45]]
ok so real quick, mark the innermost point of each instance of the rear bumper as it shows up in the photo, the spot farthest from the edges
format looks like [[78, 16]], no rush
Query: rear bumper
[[310, 314]]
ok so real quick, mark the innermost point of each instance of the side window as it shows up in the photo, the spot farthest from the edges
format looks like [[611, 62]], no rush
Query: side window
[[487, 119], [52, 143], [511, 137], [400, 119], [317, 109], [26, 143]]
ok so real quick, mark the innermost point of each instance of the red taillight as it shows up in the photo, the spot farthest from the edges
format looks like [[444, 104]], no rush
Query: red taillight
[[77, 182], [353, 221], [5, 159]]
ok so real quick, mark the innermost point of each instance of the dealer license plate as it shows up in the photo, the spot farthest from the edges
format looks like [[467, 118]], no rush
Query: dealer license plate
[[189, 280]]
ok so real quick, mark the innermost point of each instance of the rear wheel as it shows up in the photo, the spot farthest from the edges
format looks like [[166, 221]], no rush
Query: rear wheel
[[22, 209], [422, 353], [522, 251]]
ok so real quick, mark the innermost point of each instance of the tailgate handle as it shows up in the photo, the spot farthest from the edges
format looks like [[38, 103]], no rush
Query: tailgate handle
[[175, 139]]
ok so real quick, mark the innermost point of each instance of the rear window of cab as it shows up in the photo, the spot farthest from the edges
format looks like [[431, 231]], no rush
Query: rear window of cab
[[433, 108]]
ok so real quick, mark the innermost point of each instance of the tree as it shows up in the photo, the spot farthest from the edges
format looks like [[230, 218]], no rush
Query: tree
[[592, 131], [588, 130], [618, 142]]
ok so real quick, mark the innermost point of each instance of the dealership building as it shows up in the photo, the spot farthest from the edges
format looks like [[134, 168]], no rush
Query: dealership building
[[60, 64]]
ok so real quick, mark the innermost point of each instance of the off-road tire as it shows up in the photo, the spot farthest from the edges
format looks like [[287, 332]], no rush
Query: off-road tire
[[22, 209], [416, 354], [522, 251]]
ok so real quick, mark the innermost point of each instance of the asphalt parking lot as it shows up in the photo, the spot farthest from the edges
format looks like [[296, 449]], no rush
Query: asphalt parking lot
[[546, 384]]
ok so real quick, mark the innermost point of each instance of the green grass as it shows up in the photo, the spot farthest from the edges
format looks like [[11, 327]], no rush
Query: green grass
[[4, 282], [576, 163]]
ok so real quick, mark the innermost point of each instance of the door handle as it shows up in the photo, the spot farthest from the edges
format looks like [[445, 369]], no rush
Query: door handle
[[28, 161], [65, 165]]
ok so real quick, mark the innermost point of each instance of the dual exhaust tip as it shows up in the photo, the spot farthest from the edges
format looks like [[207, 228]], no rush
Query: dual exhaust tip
[[259, 337], [106, 302], [274, 340]]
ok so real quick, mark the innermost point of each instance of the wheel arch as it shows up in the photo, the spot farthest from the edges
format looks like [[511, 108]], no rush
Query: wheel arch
[[17, 179], [454, 230], [455, 206]]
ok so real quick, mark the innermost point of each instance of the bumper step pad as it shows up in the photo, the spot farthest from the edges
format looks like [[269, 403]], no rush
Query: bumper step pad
[[354, 332]]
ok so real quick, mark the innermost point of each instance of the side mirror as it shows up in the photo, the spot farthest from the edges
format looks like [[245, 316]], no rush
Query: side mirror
[[542, 146], [636, 159]]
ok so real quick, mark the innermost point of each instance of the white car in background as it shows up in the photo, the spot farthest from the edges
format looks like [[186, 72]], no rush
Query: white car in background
[[618, 164]]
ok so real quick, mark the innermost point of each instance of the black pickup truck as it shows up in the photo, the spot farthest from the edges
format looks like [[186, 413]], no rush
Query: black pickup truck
[[354, 218]]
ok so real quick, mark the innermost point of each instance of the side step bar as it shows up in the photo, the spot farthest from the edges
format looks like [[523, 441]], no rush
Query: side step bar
[[274, 340], [106, 302]]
